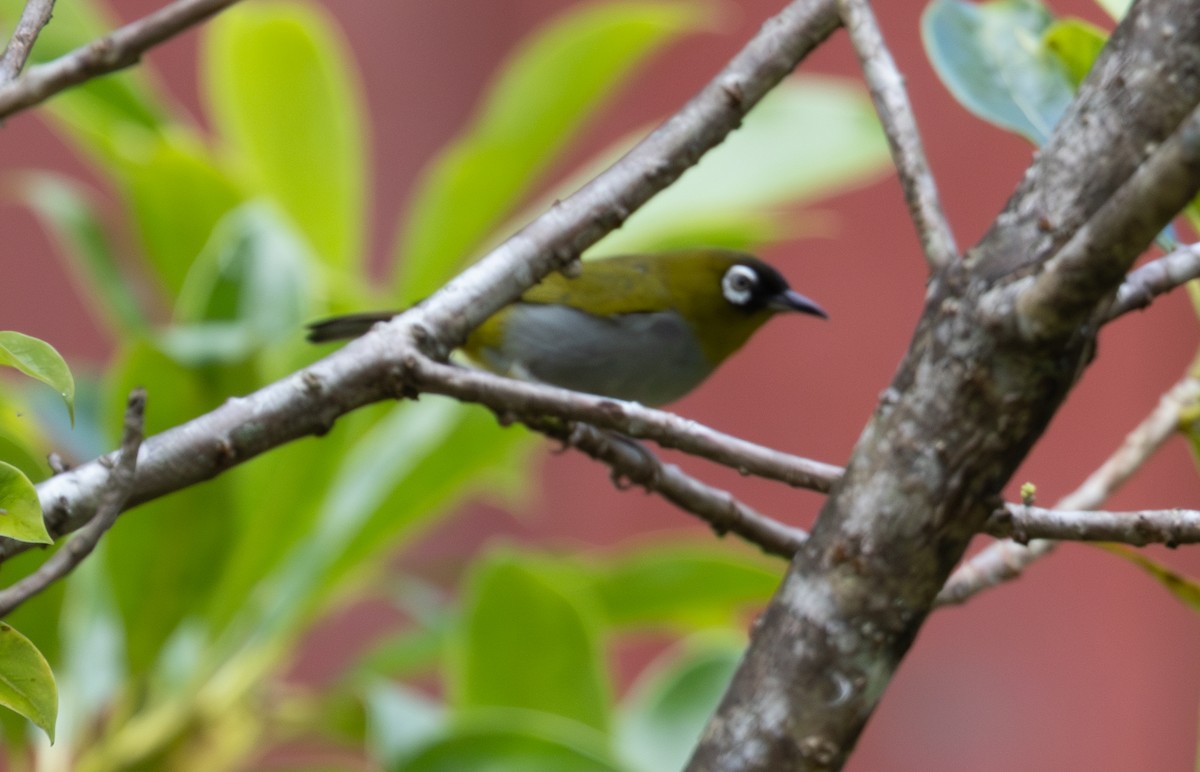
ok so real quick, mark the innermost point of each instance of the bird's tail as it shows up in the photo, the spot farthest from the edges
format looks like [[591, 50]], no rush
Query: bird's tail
[[346, 326]]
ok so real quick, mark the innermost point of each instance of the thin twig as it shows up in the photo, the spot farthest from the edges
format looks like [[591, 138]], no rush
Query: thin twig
[[1006, 560], [35, 16], [112, 503], [1152, 526], [895, 112], [521, 398], [632, 463], [115, 51], [1155, 278]]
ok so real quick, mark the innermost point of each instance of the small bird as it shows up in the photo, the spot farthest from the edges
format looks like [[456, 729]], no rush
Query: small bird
[[644, 328]]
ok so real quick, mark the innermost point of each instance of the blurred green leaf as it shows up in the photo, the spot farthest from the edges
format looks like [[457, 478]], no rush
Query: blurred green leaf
[[22, 439], [809, 137], [163, 558], [20, 510], [506, 741], [475, 455], [284, 95], [993, 58], [91, 669], [68, 213], [1115, 8], [691, 586], [554, 82], [26, 682], [530, 639], [40, 361], [399, 722], [1184, 588], [407, 653], [176, 195], [381, 488], [668, 707], [1077, 44], [248, 289]]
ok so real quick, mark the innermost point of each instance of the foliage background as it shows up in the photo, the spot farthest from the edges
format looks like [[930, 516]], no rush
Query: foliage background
[[1085, 663]]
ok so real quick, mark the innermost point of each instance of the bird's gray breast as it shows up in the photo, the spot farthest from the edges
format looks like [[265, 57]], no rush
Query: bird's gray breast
[[651, 358]]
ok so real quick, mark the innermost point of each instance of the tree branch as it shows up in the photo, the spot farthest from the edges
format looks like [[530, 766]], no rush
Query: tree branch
[[896, 114], [522, 398], [35, 15], [1006, 560], [633, 464], [554, 240], [1152, 526], [364, 371], [1063, 294], [115, 51], [112, 503], [1155, 278], [969, 399]]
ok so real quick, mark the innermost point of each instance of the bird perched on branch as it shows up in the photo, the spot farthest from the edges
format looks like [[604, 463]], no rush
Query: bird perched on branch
[[646, 328]]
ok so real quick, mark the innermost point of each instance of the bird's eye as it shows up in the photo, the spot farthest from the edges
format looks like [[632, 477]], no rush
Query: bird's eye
[[738, 284]]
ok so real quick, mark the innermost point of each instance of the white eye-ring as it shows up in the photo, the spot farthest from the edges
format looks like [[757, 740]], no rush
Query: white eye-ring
[[738, 284]]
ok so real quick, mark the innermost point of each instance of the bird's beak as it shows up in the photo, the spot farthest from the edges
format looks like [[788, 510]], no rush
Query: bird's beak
[[791, 300]]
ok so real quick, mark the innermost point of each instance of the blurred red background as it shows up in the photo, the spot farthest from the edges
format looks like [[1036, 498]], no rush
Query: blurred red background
[[1082, 664]]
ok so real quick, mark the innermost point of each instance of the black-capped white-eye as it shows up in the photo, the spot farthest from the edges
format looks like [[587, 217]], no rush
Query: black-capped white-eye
[[738, 284]]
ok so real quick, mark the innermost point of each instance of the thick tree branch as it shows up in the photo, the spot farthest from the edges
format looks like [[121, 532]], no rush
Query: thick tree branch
[[1064, 293], [115, 51], [112, 503], [968, 401], [895, 112], [1006, 560], [1155, 278], [309, 402], [1131, 101], [35, 15]]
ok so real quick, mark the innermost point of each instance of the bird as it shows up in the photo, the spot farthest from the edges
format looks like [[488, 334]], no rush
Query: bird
[[646, 328]]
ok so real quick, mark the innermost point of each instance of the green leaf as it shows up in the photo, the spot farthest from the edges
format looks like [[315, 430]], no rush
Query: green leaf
[[509, 742], [689, 586], [993, 58], [671, 702], [399, 722], [162, 562], [529, 639], [1184, 588], [1115, 8], [26, 682], [475, 455], [38, 360], [285, 100], [547, 89], [810, 137], [20, 510], [22, 438], [91, 667], [1077, 44], [68, 212], [177, 195], [248, 289], [404, 654]]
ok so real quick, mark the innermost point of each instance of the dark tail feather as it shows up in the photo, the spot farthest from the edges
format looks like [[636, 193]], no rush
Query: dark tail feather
[[348, 326]]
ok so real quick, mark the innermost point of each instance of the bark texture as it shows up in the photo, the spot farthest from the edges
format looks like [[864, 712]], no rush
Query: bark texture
[[1003, 338]]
